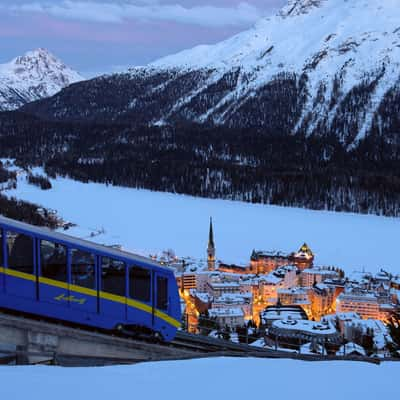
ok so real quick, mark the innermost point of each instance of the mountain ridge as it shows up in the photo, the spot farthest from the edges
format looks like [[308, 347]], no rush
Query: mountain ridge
[[35, 75], [318, 67]]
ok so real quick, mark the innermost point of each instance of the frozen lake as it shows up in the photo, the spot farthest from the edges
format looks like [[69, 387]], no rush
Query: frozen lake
[[147, 222]]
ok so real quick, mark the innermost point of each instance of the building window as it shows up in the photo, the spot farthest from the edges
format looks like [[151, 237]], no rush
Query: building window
[[20, 252], [83, 269], [113, 276], [53, 261], [140, 284], [162, 293]]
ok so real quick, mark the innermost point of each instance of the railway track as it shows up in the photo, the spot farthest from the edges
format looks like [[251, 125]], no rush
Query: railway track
[[38, 341]]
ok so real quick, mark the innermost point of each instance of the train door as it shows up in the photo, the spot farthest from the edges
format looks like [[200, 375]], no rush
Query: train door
[[53, 273], [112, 289], [140, 303], [162, 292], [2, 263], [20, 272], [83, 281], [161, 300]]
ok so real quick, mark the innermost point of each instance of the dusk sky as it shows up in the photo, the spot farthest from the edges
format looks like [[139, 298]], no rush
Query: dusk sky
[[96, 36]]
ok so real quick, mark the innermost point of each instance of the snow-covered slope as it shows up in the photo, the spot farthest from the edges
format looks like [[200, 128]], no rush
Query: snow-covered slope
[[318, 67], [206, 378], [349, 241], [36, 75], [338, 44]]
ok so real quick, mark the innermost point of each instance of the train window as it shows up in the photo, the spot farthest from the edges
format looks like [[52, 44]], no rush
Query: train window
[[53, 261], [83, 269], [113, 276], [162, 293], [140, 284], [20, 252]]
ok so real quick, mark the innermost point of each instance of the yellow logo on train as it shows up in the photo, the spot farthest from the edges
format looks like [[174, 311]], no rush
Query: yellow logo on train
[[72, 299]]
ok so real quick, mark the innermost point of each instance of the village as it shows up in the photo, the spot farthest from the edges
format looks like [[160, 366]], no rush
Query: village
[[287, 302]]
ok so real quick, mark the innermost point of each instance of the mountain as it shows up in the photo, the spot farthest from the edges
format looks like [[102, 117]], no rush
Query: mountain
[[318, 67], [36, 75]]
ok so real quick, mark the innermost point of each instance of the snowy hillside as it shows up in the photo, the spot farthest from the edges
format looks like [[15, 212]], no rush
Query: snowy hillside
[[205, 379], [337, 44], [349, 241], [36, 75], [321, 67]]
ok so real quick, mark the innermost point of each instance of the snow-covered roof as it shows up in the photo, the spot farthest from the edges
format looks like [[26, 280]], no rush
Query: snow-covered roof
[[239, 298], [226, 312], [283, 312], [313, 348], [380, 330], [311, 327], [294, 291], [351, 349], [319, 271], [217, 284], [358, 296], [203, 296]]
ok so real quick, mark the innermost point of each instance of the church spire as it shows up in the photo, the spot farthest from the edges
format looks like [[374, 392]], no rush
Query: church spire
[[211, 235], [211, 248]]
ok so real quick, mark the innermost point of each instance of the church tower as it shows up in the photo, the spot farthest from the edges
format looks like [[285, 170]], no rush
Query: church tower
[[211, 248]]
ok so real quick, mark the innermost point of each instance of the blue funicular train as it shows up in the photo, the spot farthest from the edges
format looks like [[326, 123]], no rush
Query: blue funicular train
[[53, 275]]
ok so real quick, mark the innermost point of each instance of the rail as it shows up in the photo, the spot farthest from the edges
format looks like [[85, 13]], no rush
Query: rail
[[38, 341]]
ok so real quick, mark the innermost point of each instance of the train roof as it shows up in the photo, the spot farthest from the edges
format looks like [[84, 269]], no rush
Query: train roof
[[61, 237]]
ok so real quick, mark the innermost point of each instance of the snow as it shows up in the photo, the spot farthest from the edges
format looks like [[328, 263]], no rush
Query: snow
[[33, 76], [323, 38], [205, 379], [349, 348], [226, 312], [148, 222], [312, 327]]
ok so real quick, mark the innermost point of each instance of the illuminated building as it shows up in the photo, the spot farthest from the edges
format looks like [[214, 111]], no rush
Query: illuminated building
[[279, 312], [218, 288], [365, 303], [304, 258], [234, 268], [244, 301], [232, 317], [296, 296], [262, 262], [292, 331], [323, 300], [311, 276], [186, 281]]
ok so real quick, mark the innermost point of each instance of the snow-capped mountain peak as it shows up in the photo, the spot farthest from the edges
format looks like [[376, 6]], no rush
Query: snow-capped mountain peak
[[318, 67], [35, 75], [329, 42], [297, 7]]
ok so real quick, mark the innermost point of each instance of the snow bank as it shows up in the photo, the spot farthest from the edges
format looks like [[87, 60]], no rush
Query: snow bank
[[222, 378]]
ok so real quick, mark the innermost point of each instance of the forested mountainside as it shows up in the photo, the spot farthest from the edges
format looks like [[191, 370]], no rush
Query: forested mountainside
[[301, 110], [317, 68], [21, 210], [218, 162]]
